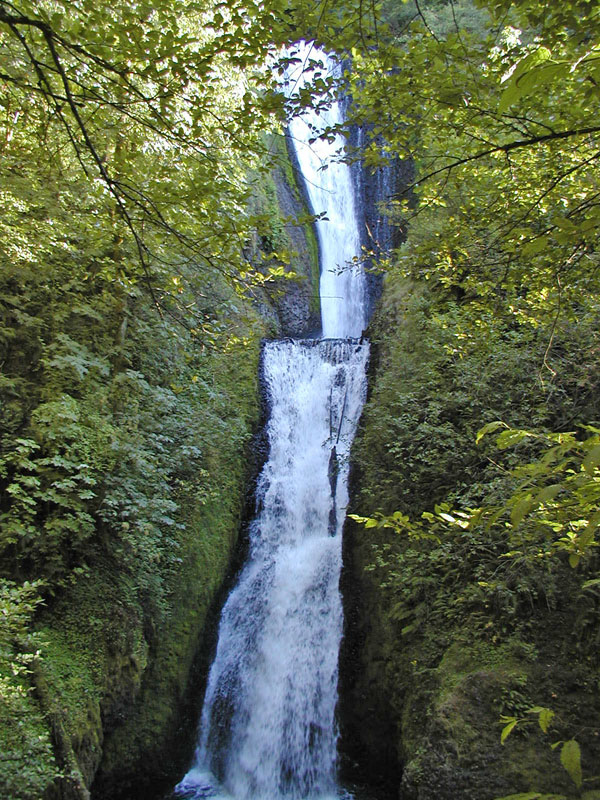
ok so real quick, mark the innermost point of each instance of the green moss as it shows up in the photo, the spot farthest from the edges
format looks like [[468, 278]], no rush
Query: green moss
[[156, 715], [274, 234], [27, 762], [451, 715], [464, 658], [93, 660], [205, 547], [280, 147], [285, 162], [311, 239]]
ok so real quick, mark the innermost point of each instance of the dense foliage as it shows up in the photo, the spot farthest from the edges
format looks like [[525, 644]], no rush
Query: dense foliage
[[132, 199], [500, 119], [482, 539], [130, 137]]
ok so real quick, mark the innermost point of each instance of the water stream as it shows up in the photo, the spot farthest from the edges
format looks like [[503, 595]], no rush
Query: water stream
[[268, 728]]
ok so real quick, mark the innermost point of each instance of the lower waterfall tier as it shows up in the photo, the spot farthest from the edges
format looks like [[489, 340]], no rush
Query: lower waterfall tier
[[268, 726]]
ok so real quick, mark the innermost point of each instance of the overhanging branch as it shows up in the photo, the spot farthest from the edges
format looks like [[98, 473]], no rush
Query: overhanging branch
[[501, 148]]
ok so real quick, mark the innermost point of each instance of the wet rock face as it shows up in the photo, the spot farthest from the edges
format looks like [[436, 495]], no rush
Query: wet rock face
[[294, 303], [375, 189], [293, 307], [368, 720], [295, 300], [420, 715], [455, 749]]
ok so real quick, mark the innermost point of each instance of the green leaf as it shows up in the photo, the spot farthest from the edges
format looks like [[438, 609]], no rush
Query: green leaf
[[489, 428], [511, 437], [516, 84], [570, 758], [587, 537], [545, 718], [592, 459], [447, 517], [521, 509], [506, 730], [591, 584], [509, 96], [548, 493], [410, 628], [535, 246], [357, 518]]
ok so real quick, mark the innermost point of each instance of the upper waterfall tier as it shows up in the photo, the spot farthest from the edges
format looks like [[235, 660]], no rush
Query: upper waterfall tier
[[330, 188]]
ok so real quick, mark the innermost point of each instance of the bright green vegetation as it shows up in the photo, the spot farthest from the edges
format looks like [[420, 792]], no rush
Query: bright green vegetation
[[141, 233], [481, 583], [132, 142]]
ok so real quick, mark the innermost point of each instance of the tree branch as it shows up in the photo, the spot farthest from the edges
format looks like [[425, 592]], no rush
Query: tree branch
[[110, 184], [425, 21], [501, 148]]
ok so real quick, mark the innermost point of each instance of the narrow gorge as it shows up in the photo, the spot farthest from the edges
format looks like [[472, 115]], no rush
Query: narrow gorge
[[268, 727], [218, 350]]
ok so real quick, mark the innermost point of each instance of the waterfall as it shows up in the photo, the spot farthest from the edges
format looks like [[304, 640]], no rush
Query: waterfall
[[330, 189], [268, 729]]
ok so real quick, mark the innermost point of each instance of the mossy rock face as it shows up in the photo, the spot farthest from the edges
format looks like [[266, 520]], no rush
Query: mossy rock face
[[456, 751], [111, 705], [95, 662], [286, 242], [421, 714], [297, 300], [370, 704], [158, 729], [147, 750]]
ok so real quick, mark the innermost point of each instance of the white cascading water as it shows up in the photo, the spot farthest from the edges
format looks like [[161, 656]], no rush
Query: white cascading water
[[268, 729], [330, 189]]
